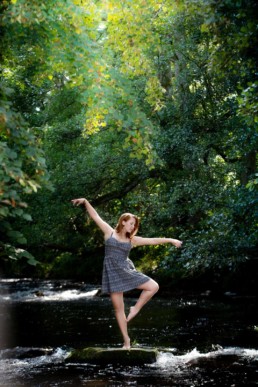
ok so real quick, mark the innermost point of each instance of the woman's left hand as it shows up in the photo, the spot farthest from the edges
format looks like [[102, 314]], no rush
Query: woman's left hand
[[177, 243]]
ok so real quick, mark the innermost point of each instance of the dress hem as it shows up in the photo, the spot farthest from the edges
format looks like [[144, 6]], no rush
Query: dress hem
[[126, 289]]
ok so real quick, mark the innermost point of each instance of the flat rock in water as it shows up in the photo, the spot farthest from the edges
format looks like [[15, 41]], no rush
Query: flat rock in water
[[96, 355]]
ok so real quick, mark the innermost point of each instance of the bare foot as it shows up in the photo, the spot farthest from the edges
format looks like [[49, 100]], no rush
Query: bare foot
[[127, 344], [133, 312]]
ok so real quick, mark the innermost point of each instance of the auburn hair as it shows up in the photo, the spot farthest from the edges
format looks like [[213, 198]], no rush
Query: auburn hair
[[124, 217]]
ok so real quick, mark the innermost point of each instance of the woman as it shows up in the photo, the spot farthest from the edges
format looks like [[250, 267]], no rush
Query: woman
[[119, 274]]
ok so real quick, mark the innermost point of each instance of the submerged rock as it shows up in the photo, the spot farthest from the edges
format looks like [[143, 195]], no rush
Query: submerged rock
[[96, 355]]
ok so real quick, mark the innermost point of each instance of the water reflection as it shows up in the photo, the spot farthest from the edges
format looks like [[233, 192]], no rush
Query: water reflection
[[201, 341]]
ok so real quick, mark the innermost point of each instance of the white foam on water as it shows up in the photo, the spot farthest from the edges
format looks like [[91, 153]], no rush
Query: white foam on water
[[37, 294], [250, 353], [14, 367], [68, 295], [167, 359], [10, 280]]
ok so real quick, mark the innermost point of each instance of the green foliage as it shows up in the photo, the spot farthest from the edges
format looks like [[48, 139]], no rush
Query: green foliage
[[63, 264], [36, 35], [140, 106], [22, 171]]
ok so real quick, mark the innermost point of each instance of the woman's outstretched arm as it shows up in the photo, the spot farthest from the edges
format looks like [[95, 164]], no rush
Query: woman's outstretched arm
[[104, 226], [139, 241]]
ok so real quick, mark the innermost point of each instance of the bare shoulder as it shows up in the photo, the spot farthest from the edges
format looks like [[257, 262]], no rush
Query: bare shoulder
[[108, 232]]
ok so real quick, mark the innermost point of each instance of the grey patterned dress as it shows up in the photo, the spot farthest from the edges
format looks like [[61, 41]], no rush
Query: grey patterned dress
[[119, 273]]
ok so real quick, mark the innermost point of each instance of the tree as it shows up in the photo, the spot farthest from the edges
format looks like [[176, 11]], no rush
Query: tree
[[22, 171], [142, 106], [33, 34], [206, 145]]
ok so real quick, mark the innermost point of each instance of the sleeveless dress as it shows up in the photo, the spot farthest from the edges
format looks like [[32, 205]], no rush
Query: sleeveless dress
[[119, 273]]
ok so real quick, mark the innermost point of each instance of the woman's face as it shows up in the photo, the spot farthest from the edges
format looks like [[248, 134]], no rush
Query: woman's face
[[129, 225]]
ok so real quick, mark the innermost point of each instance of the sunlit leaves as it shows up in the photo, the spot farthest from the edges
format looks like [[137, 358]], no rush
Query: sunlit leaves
[[155, 93], [167, 84], [81, 40], [66, 34]]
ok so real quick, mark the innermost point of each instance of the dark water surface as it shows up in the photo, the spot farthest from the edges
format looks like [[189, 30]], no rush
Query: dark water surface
[[201, 341]]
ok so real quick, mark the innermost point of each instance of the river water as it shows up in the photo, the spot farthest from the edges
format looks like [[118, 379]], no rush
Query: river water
[[201, 341]]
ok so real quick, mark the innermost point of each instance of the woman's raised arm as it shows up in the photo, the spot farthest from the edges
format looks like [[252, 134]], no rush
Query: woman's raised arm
[[104, 226]]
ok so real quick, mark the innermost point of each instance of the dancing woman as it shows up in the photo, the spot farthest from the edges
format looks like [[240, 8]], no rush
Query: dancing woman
[[119, 274]]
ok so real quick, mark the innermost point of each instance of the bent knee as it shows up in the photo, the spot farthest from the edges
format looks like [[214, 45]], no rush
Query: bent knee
[[155, 287], [151, 286]]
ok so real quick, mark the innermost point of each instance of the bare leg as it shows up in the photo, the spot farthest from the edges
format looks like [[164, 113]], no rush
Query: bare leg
[[149, 288], [117, 299]]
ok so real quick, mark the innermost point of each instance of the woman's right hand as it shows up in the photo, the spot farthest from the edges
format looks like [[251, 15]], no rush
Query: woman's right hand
[[78, 202]]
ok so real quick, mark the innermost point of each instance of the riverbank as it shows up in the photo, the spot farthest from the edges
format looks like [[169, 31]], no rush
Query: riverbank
[[240, 282]]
